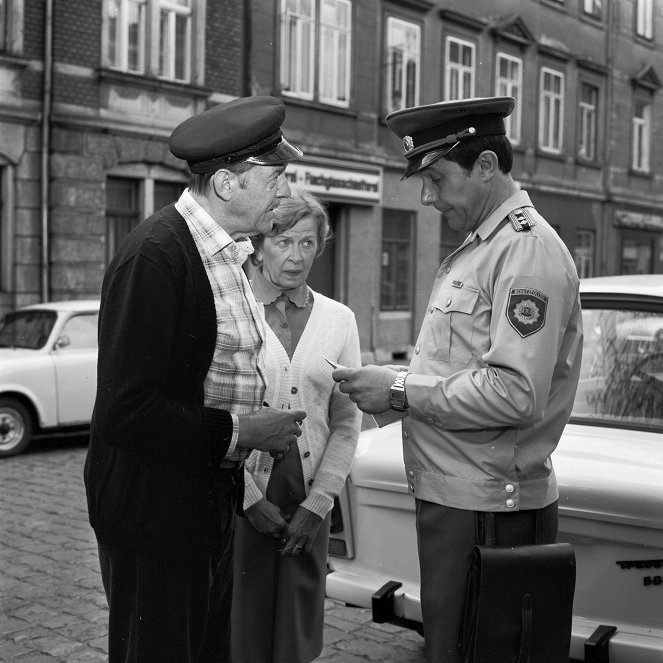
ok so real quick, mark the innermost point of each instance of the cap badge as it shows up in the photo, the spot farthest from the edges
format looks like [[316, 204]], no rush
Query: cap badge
[[408, 143]]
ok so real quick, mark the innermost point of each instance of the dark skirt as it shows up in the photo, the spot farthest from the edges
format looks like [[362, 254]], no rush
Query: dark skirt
[[278, 602]]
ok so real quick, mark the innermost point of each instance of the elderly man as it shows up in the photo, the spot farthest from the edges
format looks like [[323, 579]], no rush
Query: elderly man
[[180, 390], [495, 368]]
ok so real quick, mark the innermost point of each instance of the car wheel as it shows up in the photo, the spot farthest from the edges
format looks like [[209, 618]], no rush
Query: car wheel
[[15, 427]]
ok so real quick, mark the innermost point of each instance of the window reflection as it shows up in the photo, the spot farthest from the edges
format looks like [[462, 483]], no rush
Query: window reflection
[[621, 376]]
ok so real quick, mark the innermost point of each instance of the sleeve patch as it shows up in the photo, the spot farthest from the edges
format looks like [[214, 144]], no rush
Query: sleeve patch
[[526, 310]]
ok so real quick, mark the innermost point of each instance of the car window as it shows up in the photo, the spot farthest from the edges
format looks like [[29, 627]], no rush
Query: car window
[[621, 378], [26, 329], [80, 332]]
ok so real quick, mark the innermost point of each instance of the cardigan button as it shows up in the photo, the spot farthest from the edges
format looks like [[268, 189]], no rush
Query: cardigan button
[[294, 390], [310, 482], [307, 454]]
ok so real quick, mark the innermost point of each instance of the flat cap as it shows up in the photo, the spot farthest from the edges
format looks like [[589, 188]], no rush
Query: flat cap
[[244, 129], [429, 132]]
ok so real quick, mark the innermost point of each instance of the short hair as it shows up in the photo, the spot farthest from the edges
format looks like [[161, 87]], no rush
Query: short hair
[[466, 153], [291, 210], [199, 182]]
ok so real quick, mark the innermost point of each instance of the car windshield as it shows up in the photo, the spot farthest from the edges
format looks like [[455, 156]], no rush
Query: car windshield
[[26, 329], [621, 377]]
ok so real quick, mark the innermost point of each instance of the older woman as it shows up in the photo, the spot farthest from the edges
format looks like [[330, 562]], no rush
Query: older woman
[[281, 543]]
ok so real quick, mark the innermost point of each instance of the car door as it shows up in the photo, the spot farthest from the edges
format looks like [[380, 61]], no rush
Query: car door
[[75, 361]]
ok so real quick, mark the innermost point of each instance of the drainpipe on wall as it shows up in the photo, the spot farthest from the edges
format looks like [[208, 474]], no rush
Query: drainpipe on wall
[[45, 144]]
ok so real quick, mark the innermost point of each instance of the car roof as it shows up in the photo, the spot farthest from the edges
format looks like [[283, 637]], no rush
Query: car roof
[[632, 284], [69, 305]]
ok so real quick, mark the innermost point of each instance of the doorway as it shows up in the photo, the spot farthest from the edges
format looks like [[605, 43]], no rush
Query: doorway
[[322, 277]]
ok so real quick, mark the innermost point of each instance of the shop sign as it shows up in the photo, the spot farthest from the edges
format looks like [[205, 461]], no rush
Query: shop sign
[[331, 181], [639, 221]]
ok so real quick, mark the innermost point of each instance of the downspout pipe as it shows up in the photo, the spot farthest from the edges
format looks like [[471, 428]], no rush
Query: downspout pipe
[[47, 94]]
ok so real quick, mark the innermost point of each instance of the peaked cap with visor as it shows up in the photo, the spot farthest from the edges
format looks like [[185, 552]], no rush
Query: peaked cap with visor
[[247, 129], [429, 132]]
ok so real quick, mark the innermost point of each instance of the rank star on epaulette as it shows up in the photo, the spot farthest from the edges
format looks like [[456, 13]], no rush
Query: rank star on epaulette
[[521, 220], [526, 310]]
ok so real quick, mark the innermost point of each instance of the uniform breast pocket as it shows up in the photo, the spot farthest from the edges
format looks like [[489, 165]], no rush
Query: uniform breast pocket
[[450, 322]]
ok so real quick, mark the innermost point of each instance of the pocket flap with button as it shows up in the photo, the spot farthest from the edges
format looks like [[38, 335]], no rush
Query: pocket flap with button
[[456, 299]]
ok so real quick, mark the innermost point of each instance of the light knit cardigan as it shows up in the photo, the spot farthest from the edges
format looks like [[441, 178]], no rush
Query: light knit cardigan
[[331, 428]]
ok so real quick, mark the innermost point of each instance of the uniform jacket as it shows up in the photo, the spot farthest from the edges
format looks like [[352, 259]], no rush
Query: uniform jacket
[[150, 472], [331, 428], [495, 367]]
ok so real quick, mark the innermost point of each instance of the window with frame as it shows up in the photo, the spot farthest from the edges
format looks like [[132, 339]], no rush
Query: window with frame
[[403, 61], [588, 114], [397, 260], [3, 24], [509, 83], [149, 37], [593, 8], [644, 18], [316, 35], [459, 69], [551, 111], [641, 148], [131, 199], [583, 253]]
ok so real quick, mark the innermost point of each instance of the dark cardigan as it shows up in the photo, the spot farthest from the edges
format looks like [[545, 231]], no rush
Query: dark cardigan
[[150, 471]]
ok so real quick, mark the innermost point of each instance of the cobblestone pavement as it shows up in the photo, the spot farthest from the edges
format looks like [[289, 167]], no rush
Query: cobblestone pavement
[[52, 608]]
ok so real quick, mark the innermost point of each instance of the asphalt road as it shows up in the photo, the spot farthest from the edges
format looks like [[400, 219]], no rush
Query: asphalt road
[[52, 607]]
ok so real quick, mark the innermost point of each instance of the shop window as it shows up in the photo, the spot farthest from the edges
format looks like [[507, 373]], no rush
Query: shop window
[[509, 83], [316, 41], [637, 254], [583, 253], [403, 62], [149, 37], [551, 110], [459, 69], [644, 18], [593, 9], [397, 260], [640, 149], [588, 114]]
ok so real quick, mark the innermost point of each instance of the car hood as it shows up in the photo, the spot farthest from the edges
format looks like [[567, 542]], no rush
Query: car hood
[[603, 473]]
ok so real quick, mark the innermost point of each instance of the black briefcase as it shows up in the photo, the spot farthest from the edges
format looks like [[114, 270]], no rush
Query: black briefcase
[[519, 604]]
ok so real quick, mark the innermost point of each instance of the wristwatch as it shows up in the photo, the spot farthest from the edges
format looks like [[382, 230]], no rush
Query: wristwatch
[[397, 396]]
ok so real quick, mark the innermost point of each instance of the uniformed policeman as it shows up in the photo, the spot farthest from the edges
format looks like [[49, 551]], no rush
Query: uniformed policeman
[[495, 367]]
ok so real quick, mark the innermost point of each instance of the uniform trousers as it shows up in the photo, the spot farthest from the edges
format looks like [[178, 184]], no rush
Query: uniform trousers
[[165, 609], [446, 538]]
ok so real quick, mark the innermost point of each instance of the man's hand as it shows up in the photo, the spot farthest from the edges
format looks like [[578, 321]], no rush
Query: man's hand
[[300, 533], [368, 386], [270, 430], [266, 518]]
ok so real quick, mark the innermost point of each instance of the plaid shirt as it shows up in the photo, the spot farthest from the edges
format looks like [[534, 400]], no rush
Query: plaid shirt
[[236, 379]]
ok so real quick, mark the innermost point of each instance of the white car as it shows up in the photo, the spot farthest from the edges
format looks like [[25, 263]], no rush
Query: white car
[[48, 371], [609, 466]]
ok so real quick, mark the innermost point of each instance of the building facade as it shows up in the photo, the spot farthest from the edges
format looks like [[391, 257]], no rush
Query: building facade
[[91, 89]]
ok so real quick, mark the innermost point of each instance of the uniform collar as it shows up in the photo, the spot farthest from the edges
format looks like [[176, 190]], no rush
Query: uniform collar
[[493, 221], [267, 293]]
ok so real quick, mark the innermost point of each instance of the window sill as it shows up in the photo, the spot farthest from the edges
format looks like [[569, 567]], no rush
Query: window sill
[[151, 83], [587, 163], [318, 105], [395, 315], [648, 175], [555, 156], [16, 61]]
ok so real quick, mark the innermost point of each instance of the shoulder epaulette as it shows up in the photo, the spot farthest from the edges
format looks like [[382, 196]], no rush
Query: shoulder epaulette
[[521, 219]]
